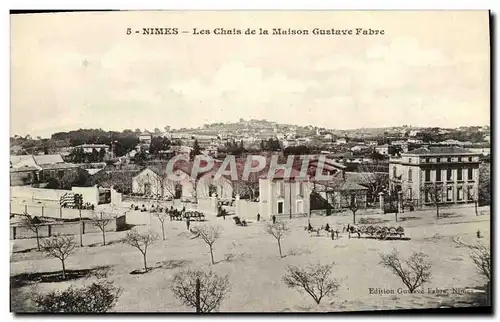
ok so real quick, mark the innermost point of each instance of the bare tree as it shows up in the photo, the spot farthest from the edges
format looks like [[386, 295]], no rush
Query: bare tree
[[413, 273], [101, 221], [141, 242], [433, 193], [352, 204], [34, 224], [278, 231], [161, 216], [60, 247], [201, 290], [209, 234], [374, 180], [481, 256], [314, 280]]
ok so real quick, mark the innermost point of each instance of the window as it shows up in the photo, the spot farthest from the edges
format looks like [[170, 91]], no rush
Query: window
[[60, 173], [280, 207], [301, 188], [449, 194], [409, 175], [426, 160], [449, 159], [469, 174], [394, 171], [438, 175], [410, 194], [459, 159], [459, 174], [427, 175], [449, 175], [409, 160], [438, 160], [470, 159], [280, 188], [460, 194]]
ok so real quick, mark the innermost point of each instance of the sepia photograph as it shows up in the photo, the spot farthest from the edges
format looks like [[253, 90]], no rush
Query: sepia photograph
[[250, 161]]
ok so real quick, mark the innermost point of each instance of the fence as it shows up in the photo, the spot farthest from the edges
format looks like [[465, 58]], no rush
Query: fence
[[18, 231]]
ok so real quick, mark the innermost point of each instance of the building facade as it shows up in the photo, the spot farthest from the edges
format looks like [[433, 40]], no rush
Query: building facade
[[448, 175]]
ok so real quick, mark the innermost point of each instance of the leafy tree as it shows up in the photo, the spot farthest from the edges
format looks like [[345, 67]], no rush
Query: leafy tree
[[414, 272], [60, 247], [201, 290], [314, 280], [196, 149], [99, 297]]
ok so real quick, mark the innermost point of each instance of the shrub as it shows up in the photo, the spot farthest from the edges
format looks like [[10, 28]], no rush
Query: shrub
[[98, 297]]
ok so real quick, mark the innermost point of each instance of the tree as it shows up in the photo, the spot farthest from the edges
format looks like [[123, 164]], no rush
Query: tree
[[141, 242], [484, 189], [314, 280], [375, 181], [102, 154], [433, 193], [352, 205], [481, 256], [201, 290], [196, 149], [209, 234], [278, 231], [34, 224], [101, 221], [98, 297], [161, 216], [414, 273], [60, 247]]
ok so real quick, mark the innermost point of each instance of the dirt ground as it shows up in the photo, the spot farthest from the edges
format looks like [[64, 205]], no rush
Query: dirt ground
[[256, 269]]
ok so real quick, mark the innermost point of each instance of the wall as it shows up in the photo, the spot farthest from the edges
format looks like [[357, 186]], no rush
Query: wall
[[208, 206], [72, 228], [89, 194], [29, 193], [247, 209]]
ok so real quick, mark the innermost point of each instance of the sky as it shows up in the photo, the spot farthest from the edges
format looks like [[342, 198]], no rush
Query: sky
[[81, 70]]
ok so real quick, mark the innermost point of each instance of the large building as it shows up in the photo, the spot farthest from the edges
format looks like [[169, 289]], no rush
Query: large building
[[449, 175]]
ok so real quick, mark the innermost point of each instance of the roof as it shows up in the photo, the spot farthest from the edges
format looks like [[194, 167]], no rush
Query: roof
[[145, 133], [92, 146], [56, 166], [48, 159], [441, 150], [14, 159], [23, 169]]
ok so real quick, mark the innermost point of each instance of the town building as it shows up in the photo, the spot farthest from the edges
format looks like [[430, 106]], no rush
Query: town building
[[29, 169], [88, 148], [382, 149], [282, 196], [453, 171], [145, 137]]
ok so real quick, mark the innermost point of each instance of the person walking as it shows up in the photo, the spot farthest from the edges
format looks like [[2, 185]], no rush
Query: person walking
[[274, 219], [188, 222], [258, 217]]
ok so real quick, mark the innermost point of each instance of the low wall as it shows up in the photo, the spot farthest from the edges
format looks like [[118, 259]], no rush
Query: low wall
[[29, 193], [247, 209], [73, 228], [44, 211]]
